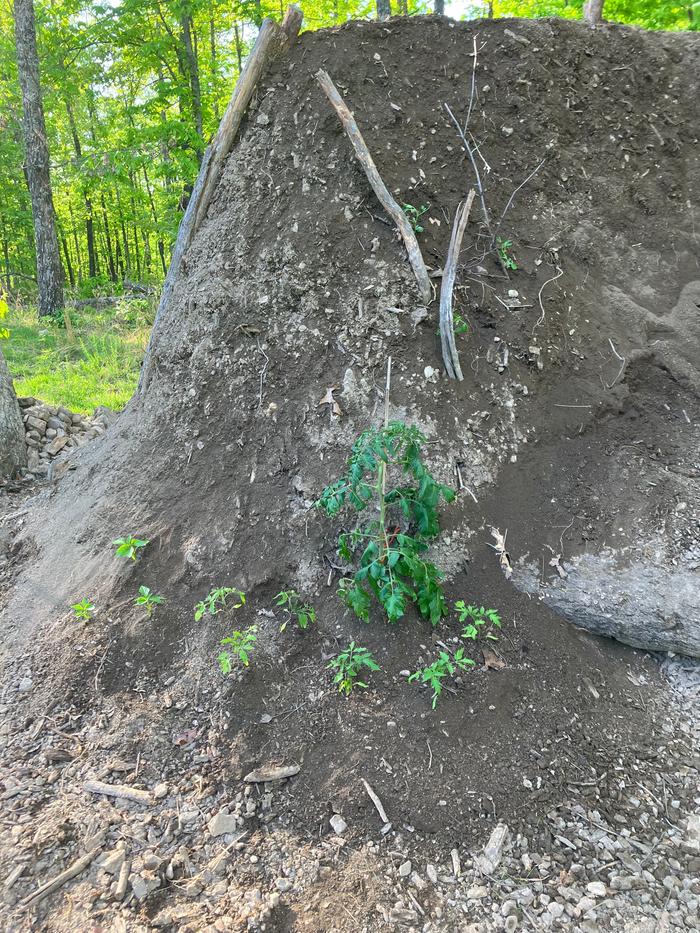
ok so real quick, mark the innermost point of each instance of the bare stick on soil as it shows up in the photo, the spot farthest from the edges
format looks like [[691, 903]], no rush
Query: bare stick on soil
[[377, 803], [450, 354], [50, 886], [118, 790], [380, 189]]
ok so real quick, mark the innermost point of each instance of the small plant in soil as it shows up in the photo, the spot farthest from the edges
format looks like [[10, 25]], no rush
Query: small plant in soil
[[414, 215], [237, 649], [128, 547], [476, 617], [507, 258], [83, 610], [460, 326], [391, 566], [347, 666], [294, 606], [444, 666], [148, 600], [217, 601]]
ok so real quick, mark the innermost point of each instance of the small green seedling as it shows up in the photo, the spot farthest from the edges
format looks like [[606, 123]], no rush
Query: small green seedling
[[237, 648], [476, 617], [460, 326], [347, 666], [83, 609], [148, 600], [507, 258], [414, 215], [128, 547], [293, 605], [215, 601], [435, 673]]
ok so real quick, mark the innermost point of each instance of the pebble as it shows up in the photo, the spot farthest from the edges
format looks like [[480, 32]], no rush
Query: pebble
[[222, 823], [596, 889], [283, 884], [405, 869], [338, 824]]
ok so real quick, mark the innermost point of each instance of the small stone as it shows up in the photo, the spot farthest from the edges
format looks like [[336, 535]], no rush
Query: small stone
[[477, 891], [142, 886], [596, 889], [338, 824], [160, 791], [222, 823], [151, 861], [507, 130], [509, 907], [431, 872], [262, 119], [405, 869], [25, 684], [511, 923], [283, 884], [555, 909]]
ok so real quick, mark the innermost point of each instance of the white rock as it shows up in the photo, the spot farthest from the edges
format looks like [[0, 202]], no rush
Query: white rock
[[596, 889], [405, 869], [222, 823], [338, 824]]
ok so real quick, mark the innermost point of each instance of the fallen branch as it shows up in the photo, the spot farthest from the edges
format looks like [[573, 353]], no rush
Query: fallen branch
[[118, 790], [380, 189], [272, 40], [450, 355], [50, 886]]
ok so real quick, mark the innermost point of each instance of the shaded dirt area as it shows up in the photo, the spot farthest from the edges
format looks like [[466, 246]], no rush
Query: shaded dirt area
[[574, 431]]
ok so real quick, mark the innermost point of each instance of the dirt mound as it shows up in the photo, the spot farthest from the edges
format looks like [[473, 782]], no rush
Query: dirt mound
[[572, 431]]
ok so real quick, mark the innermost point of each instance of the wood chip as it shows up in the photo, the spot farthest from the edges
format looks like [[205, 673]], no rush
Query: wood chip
[[272, 773]]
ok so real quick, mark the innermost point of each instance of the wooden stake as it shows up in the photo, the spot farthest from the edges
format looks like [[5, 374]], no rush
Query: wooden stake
[[50, 886], [380, 189], [450, 354]]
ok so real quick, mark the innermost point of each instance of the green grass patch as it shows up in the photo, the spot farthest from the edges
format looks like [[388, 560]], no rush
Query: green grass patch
[[100, 367]]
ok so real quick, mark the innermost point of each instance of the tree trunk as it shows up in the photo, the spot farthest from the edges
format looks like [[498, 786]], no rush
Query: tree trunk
[[383, 9], [49, 273], [13, 449], [440, 7], [193, 75], [593, 12]]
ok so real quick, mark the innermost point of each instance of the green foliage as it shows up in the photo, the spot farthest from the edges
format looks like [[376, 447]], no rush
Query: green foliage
[[347, 666], [216, 601], [293, 605], [444, 666], [414, 215], [83, 610], [4, 332], [237, 648], [148, 600], [391, 565], [476, 617], [651, 14], [507, 258], [460, 326], [128, 547]]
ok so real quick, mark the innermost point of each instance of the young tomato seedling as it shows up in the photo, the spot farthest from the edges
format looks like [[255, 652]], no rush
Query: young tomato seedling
[[347, 666], [148, 600], [83, 610], [444, 666], [216, 601], [128, 547], [391, 566], [293, 605], [237, 648], [476, 617]]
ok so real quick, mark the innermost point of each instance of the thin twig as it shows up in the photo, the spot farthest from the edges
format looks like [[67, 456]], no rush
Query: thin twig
[[450, 355], [473, 90], [560, 272], [263, 371], [521, 185], [377, 802], [50, 886], [622, 367]]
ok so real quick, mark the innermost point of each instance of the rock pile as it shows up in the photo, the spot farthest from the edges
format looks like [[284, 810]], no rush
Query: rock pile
[[51, 429]]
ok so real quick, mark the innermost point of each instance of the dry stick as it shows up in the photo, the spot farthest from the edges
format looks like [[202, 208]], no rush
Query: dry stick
[[450, 354], [380, 189], [521, 185], [50, 886], [119, 790], [377, 802], [272, 40]]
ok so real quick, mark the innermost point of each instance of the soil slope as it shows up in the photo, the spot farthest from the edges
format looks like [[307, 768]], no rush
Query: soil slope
[[575, 431]]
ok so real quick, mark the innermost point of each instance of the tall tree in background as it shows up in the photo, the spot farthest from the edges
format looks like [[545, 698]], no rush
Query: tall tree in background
[[383, 9], [49, 273], [593, 11], [440, 7]]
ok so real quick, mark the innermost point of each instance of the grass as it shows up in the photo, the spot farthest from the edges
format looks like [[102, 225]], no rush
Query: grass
[[100, 367]]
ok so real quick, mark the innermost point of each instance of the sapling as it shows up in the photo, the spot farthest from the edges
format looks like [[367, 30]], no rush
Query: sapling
[[476, 617], [445, 665], [347, 666], [216, 601], [293, 605], [148, 599], [391, 565], [414, 215], [83, 610], [128, 547], [237, 648]]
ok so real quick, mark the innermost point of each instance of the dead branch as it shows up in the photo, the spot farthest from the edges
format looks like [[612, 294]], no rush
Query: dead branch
[[540, 320], [50, 886], [510, 199], [450, 355], [377, 802], [380, 189], [118, 790]]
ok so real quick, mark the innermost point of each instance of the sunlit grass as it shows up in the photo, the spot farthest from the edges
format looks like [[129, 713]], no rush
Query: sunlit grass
[[100, 367]]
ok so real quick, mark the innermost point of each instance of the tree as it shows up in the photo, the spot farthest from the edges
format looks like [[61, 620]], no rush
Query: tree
[[48, 260], [13, 449], [440, 7], [593, 11], [383, 9]]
